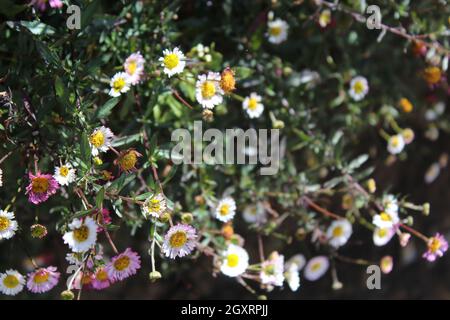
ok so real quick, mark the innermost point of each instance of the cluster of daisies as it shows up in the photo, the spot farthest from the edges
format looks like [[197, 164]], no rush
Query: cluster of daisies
[[122, 81], [40, 280], [388, 224], [274, 271]]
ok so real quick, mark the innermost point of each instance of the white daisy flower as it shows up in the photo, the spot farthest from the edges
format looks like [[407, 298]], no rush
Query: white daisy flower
[[226, 209], [272, 270], [253, 105], [255, 213], [277, 31], [173, 61], [297, 260], [65, 174], [134, 67], [386, 219], [83, 234], [11, 282], [8, 226], [208, 91], [396, 144], [316, 268], [382, 236], [154, 206], [324, 18], [100, 140], [292, 277], [179, 241], [120, 83], [359, 87], [339, 232], [235, 261], [390, 203]]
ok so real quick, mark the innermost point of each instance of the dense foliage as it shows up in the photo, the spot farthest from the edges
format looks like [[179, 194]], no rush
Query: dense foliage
[[86, 118]]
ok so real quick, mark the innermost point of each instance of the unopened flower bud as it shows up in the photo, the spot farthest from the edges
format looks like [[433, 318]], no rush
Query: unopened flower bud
[[409, 220], [187, 218], [300, 234], [371, 185], [404, 239], [67, 295], [426, 208], [262, 297], [386, 264], [208, 115], [278, 124], [164, 217], [38, 231], [199, 200], [98, 161], [154, 276]]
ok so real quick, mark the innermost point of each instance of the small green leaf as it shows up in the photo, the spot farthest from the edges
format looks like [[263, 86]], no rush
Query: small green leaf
[[106, 109], [99, 198], [85, 148]]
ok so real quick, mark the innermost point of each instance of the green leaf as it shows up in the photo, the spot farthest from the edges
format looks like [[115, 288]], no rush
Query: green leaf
[[243, 72], [85, 148], [99, 198], [105, 110], [38, 28], [49, 56]]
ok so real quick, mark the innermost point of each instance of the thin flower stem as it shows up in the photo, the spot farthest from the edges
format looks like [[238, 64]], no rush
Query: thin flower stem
[[180, 98], [414, 232], [5, 157], [261, 248], [321, 210]]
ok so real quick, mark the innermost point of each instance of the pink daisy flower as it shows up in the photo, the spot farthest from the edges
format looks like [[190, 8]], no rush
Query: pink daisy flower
[[42, 279], [103, 218], [179, 241], [437, 245], [101, 279], [123, 265], [134, 67], [41, 187], [42, 4]]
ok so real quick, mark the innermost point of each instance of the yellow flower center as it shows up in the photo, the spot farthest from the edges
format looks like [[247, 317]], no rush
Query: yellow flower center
[[81, 234], [122, 263], [97, 138], [227, 81], [39, 185], [64, 171], [128, 161], [224, 210], [118, 84], [41, 277], [385, 217], [325, 18], [154, 205], [101, 275], [132, 66], [395, 141], [270, 269], [275, 31], [432, 75], [171, 60], [358, 87], [10, 281], [434, 245], [316, 266], [4, 223], [178, 239], [382, 232], [232, 260], [208, 89], [406, 105], [338, 231], [252, 104]]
